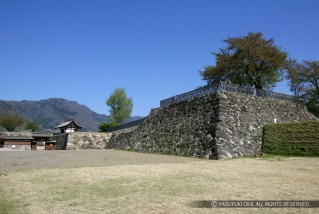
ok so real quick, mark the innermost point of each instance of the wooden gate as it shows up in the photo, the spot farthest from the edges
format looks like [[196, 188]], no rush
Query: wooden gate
[[50, 145], [34, 146]]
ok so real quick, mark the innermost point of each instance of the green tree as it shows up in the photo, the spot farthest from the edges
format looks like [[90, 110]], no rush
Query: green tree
[[304, 82], [10, 122], [103, 127], [120, 106], [33, 126], [248, 60]]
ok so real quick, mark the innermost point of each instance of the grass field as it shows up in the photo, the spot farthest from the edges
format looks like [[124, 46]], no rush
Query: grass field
[[161, 188]]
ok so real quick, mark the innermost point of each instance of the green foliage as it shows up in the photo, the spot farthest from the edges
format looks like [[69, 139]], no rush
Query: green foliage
[[33, 126], [10, 122], [292, 139], [120, 106], [248, 60], [304, 82], [103, 127]]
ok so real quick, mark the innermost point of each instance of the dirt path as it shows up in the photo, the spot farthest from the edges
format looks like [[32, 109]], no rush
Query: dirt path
[[60, 159]]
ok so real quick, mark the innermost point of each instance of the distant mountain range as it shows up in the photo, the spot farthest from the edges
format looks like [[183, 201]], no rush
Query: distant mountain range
[[51, 112]]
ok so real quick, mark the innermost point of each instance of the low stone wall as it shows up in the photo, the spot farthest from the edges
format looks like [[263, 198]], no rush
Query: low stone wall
[[87, 140]]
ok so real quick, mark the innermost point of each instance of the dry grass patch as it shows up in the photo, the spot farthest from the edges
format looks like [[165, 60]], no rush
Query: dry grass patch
[[163, 188]]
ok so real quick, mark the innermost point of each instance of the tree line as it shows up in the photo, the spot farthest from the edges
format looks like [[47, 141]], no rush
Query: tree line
[[252, 60], [12, 122]]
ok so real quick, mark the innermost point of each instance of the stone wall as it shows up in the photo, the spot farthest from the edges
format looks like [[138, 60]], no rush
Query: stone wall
[[215, 126], [61, 141], [87, 140], [181, 129], [239, 127]]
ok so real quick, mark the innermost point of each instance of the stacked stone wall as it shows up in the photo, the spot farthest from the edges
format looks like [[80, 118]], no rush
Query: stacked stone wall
[[239, 128], [183, 128], [87, 140], [214, 126]]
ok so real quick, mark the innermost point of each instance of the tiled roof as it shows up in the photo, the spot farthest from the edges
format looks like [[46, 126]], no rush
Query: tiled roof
[[16, 138], [39, 134], [66, 123]]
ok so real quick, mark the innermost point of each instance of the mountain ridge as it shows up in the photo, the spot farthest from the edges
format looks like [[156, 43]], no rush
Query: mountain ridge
[[53, 111]]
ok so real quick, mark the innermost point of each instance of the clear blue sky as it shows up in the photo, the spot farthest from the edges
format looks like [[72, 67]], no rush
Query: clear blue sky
[[82, 50]]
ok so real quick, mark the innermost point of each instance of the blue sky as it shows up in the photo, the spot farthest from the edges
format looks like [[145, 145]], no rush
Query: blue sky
[[82, 50]]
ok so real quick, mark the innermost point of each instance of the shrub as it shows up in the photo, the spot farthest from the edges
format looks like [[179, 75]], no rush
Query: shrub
[[33, 126], [103, 127], [292, 139]]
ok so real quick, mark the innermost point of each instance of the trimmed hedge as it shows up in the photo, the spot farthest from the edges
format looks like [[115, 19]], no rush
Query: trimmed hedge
[[292, 139]]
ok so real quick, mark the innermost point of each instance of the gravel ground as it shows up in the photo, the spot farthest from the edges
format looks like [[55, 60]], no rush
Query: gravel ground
[[17, 160]]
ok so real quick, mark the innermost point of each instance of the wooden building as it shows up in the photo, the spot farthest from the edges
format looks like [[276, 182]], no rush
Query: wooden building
[[68, 126], [18, 143], [47, 141], [44, 139]]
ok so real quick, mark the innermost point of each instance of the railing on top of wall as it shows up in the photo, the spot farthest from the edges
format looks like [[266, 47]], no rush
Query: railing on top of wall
[[222, 86], [229, 87], [188, 95]]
